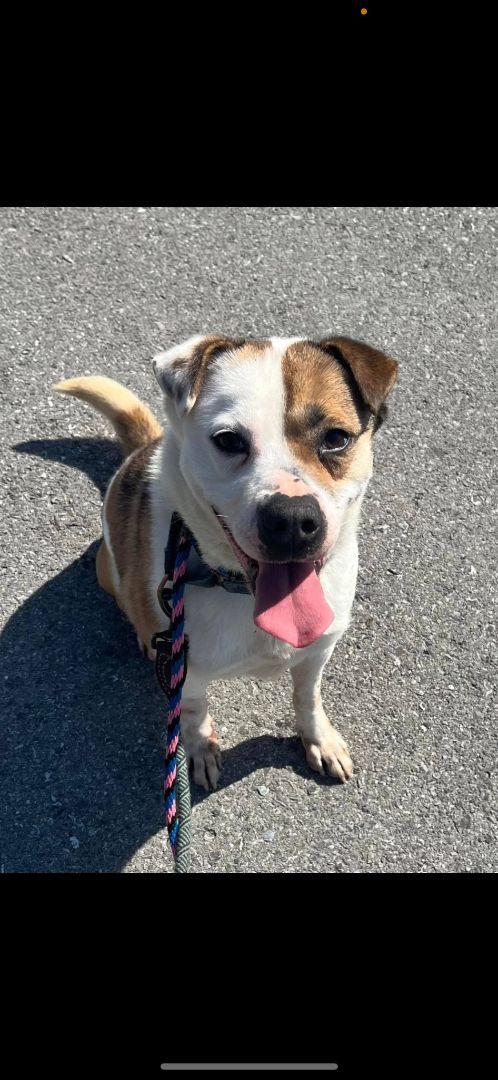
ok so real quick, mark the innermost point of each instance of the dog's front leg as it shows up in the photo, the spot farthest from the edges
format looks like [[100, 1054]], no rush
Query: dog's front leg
[[325, 748], [198, 733]]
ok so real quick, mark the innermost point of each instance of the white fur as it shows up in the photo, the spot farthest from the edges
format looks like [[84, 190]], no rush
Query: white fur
[[189, 474]]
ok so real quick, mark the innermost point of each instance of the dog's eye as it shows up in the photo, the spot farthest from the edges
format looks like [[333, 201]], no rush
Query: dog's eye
[[335, 441], [230, 442]]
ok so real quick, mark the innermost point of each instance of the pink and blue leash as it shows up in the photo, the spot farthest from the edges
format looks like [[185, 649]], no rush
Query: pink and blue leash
[[171, 668]]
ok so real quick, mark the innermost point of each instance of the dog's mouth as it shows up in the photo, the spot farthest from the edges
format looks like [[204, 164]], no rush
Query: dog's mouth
[[289, 600], [249, 566]]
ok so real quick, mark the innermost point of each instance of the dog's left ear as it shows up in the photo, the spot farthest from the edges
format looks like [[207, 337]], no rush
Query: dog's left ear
[[181, 371], [373, 372]]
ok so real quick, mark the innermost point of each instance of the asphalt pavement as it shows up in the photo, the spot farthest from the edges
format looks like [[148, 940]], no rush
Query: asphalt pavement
[[412, 686]]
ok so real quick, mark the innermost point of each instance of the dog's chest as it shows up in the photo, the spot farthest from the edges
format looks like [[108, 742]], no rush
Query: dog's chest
[[224, 642]]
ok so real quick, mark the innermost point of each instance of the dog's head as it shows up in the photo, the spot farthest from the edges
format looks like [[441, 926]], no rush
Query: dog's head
[[276, 442]]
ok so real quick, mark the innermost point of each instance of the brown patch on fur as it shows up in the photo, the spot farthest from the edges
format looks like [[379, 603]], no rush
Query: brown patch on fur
[[204, 354], [315, 384], [132, 421], [128, 515], [251, 349], [104, 571], [128, 503], [318, 397], [197, 365], [135, 428], [373, 372], [356, 462]]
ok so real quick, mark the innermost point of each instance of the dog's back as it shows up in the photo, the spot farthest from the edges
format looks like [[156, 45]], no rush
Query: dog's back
[[123, 566]]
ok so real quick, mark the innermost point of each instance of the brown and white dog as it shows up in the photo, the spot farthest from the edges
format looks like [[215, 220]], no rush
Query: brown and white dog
[[266, 454]]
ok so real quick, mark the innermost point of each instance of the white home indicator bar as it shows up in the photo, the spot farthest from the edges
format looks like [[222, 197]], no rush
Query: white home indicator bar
[[182, 1066]]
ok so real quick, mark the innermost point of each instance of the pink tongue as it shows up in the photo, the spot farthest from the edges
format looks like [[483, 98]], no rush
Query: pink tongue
[[290, 603]]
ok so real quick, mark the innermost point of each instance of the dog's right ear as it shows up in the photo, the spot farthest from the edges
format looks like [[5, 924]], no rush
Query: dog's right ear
[[181, 371]]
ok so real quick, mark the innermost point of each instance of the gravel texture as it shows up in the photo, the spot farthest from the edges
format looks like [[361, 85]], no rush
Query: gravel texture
[[412, 686]]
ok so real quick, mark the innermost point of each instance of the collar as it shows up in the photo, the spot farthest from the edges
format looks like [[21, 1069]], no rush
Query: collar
[[198, 572]]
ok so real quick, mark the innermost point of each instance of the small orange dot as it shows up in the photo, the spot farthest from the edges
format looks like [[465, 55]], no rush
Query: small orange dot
[[364, 11]]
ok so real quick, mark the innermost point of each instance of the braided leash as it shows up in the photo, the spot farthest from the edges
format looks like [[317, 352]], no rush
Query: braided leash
[[176, 783], [171, 668]]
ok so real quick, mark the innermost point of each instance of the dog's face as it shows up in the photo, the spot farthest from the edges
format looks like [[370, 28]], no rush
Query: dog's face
[[276, 437]]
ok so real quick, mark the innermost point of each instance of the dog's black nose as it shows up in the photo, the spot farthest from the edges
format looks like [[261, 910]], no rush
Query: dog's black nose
[[290, 527]]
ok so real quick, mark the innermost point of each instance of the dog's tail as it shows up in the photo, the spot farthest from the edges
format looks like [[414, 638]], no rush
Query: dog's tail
[[132, 421]]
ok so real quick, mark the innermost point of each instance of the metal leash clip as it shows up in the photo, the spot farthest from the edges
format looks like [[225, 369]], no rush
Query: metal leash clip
[[164, 594]]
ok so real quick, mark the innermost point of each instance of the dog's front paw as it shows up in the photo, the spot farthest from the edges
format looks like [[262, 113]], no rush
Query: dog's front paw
[[205, 760], [145, 648], [329, 756]]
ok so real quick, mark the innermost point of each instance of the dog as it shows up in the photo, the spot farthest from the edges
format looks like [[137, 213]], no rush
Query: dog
[[266, 454]]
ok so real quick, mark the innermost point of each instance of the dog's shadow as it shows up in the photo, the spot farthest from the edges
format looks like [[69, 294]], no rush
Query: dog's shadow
[[83, 720], [98, 458]]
